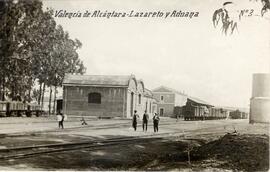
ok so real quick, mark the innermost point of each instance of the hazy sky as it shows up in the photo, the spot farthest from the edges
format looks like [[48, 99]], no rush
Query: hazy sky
[[181, 53]]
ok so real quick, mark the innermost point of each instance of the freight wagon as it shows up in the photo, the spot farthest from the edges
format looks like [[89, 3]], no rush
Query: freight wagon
[[17, 108], [237, 114], [195, 112]]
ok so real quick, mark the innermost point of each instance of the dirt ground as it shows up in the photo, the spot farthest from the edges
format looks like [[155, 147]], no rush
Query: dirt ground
[[223, 145]]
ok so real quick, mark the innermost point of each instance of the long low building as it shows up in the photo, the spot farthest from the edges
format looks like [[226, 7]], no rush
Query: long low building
[[106, 96]]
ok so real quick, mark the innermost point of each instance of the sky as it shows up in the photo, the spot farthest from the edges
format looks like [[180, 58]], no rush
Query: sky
[[186, 54]]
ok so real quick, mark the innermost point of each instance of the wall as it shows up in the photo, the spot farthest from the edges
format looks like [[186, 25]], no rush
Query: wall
[[167, 97], [132, 88], [167, 104], [146, 101], [168, 109], [140, 105], [75, 101]]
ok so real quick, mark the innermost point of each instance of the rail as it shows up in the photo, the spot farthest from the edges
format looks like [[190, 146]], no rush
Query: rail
[[28, 151]]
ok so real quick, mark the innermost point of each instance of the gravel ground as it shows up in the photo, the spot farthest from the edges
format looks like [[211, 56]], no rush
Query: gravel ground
[[210, 147]]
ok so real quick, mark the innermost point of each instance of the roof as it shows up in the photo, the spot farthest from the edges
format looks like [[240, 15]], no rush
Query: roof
[[148, 93], [199, 101], [242, 109], [167, 89], [98, 80]]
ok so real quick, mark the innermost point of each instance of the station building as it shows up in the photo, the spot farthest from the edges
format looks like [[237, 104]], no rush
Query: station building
[[106, 96], [169, 100]]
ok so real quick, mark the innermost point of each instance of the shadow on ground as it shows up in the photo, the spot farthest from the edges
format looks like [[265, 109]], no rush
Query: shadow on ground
[[247, 152]]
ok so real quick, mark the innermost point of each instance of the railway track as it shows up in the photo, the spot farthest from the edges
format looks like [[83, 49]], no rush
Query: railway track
[[30, 151]]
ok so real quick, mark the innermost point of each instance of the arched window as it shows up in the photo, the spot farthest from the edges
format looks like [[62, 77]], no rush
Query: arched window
[[94, 98], [140, 99]]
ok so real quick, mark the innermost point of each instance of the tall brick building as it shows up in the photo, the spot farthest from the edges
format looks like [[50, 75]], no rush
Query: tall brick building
[[106, 96], [168, 100]]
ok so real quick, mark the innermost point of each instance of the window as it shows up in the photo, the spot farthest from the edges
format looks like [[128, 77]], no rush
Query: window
[[161, 98], [94, 98], [140, 99]]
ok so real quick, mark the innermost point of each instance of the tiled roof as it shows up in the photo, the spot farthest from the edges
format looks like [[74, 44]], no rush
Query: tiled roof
[[167, 89], [98, 80], [148, 93], [242, 109], [199, 101]]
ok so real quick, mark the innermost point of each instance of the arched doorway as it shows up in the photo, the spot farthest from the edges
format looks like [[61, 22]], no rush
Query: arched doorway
[[131, 103]]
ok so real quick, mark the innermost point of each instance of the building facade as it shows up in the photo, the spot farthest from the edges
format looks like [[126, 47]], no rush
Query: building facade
[[106, 96], [168, 100]]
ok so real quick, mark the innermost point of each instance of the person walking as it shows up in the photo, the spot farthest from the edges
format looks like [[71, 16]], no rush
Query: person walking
[[134, 120], [156, 121], [83, 121], [60, 119], [145, 121]]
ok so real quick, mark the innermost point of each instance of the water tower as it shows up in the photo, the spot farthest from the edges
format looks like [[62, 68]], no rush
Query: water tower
[[260, 100]]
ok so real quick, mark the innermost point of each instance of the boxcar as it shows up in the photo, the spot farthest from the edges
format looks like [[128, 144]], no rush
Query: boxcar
[[192, 112], [17, 108], [237, 114]]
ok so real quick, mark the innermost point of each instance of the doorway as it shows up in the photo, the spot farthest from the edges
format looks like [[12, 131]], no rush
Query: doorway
[[131, 104], [161, 111]]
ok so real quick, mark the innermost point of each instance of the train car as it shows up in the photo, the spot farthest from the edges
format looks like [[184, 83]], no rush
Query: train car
[[17, 108], [33, 109], [217, 113], [3, 108], [188, 112], [237, 114], [193, 111]]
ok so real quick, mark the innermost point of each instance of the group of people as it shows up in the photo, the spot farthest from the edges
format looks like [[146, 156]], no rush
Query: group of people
[[145, 120], [62, 117]]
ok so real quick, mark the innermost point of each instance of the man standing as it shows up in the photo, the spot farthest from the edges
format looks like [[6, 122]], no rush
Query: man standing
[[134, 120], [145, 121], [156, 121]]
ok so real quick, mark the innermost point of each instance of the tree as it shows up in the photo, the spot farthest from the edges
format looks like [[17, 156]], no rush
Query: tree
[[266, 6], [64, 60], [33, 49], [228, 23], [20, 21]]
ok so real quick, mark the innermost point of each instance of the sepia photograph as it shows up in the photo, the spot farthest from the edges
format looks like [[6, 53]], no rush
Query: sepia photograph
[[134, 85]]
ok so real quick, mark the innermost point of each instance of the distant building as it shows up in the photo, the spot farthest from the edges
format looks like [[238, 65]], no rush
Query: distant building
[[169, 100], [106, 96]]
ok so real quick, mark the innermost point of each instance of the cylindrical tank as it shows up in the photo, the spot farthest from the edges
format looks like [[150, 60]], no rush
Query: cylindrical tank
[[261, 85], [260, 100]]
